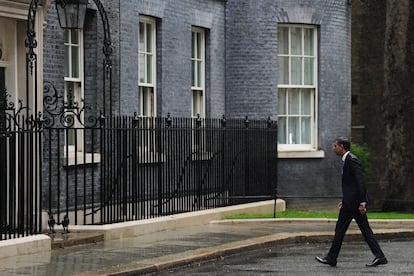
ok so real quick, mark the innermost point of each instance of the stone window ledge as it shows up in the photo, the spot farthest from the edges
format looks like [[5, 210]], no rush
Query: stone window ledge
[[81, 158], [301, 154]]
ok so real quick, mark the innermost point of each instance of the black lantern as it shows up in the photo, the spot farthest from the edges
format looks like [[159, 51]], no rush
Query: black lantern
[[71, 13]]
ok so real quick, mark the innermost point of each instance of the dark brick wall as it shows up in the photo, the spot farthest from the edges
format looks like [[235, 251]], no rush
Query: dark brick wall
[[112, 10], [59, 176], [251, 79], [174, 21], [241, 64]]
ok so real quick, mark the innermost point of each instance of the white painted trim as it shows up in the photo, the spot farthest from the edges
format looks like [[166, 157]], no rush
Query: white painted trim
[[301, 154], [294, 148], [14, 10], [151, 21], [202, 88]]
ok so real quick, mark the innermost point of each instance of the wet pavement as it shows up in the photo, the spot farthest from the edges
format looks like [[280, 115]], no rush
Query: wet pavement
[[299, 259], [160, 251]]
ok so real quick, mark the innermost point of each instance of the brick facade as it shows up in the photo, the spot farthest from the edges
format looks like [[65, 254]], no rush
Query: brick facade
[[241, 67], [251, 82], [174, 21]]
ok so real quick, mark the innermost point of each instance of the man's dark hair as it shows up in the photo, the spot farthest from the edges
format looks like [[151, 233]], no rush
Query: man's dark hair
[[344, 142]]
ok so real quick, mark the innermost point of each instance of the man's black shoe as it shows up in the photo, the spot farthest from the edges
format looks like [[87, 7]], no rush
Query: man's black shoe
[[378, 261], [325, 260]]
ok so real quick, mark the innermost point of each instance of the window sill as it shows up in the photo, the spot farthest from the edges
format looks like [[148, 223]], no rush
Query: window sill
[[81, 158], [202, 156], [150, 158], [301, 154]]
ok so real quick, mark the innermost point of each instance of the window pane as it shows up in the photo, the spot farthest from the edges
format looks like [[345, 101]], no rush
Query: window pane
[[149, 69], [306, 102], [297, 59], [194, 103], [193, 73], [67, 66], [293, 130], [308, 42], [145, 106], [296, 71], [140, 100], [293, 102], [151, 103], [283, 70], [71, 133], [70, 118], [197, 103], [74, 37], [308, 71], [199, 74], [75, 62], [66, 36], [283, 41], [69, 93], [296, 41], [141, 68], [142, 37], [149, 38], [199, 45], [281, 102], [146, 101], [306, 130], [281, 130], [193, 46]]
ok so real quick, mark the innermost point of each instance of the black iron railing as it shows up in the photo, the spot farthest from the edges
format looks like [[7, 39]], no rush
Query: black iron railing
[[20, 177], [98, 170], [131, 168]]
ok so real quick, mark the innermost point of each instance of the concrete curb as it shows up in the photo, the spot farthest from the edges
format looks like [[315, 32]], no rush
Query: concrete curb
[[25, 245], [220, 251], [60, 241], [395, 222], [135, 228], [42, 243]]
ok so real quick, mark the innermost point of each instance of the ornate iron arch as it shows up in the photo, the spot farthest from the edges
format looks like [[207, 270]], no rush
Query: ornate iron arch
[[31, 56]]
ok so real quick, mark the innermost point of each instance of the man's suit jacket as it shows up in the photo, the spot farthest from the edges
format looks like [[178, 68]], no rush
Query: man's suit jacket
[[353, 186]]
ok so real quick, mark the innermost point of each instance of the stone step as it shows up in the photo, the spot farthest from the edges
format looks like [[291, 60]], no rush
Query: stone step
[[62, 240]]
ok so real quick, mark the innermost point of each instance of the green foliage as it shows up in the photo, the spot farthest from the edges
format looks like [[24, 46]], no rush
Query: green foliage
[[362, 152]]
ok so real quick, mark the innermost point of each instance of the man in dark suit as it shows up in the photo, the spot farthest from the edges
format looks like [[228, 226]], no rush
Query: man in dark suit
[[353, 206]]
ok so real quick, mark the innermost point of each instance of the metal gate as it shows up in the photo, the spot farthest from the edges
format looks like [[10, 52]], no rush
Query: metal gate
[[20, 175]]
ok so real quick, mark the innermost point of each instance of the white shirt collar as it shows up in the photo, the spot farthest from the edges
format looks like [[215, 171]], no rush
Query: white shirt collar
[[344, 156]]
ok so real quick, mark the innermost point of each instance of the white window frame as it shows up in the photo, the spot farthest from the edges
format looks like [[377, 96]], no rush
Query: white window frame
[[77, 81], [198, 61], [312, 146], [147, 95], [8, 38], [198, 64]]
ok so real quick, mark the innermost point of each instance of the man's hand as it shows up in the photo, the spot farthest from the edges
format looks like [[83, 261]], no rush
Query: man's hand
[[362, 208], [340, 205]]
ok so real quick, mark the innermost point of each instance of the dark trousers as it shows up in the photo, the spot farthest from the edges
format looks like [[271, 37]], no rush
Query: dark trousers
[[344, 220]]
